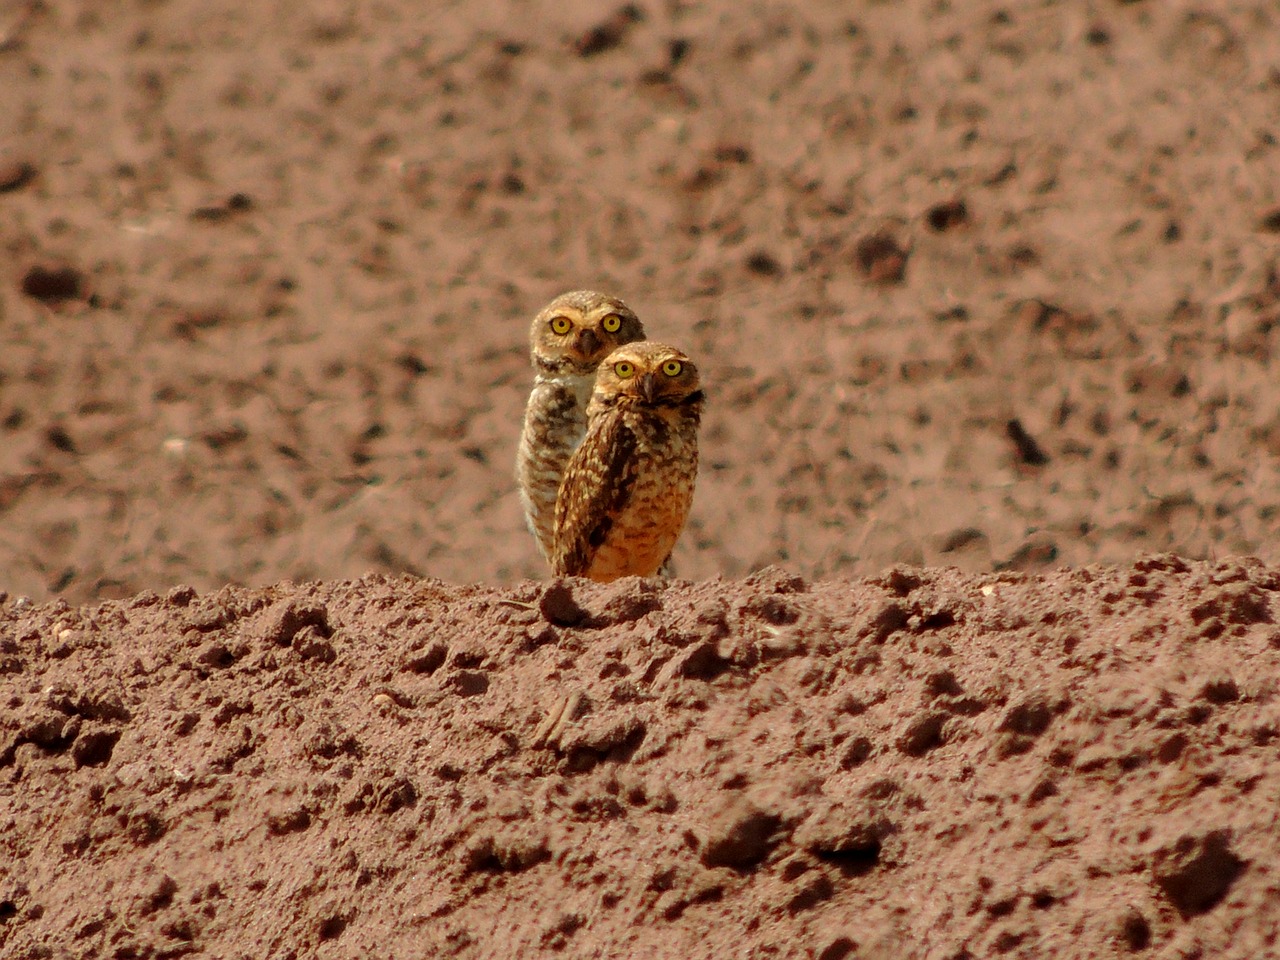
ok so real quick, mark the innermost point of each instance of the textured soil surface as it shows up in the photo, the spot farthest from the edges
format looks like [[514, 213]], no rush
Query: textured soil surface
[[968, 284], [922, 764], [985, 296]]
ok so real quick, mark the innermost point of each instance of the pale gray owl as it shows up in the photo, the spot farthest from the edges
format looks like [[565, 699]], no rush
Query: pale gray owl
[[568, 339]]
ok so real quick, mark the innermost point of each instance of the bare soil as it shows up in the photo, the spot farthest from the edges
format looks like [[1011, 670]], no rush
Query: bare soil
[[925, 763], [975, 653]]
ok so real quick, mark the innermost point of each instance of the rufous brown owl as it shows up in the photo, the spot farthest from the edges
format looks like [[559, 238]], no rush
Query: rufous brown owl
[[629, 485]]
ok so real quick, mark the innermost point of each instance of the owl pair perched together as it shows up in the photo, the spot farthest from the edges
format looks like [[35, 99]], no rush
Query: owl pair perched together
[[609, 452]]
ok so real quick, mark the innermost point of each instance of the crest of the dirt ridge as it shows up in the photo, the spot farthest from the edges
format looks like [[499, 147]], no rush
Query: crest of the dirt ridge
[[924, 763]]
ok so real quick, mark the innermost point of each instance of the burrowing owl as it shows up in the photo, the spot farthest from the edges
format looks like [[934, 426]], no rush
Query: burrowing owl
[[628, 487], [568, 339]]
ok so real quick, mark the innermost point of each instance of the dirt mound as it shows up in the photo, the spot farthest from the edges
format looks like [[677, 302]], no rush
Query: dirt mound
[[925, 763]]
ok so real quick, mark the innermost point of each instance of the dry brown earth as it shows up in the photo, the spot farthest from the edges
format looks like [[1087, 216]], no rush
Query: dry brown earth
[[982, 286], [924, 764]]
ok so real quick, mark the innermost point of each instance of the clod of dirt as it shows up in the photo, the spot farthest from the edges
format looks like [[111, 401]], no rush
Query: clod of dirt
[[813, 890], [1028, 449], [850, 837], [216, 654], [1195, 872], [838, 949], [701, 661], [294, 820], [1239, 603], [427, 661], [881, 258], [1135, 930], [763, 264], [923, 734], [739, 835], [558, 607], [1022, 724], [899, 580], [608, 34], [626, 601], [468, 683], [285, 623], [599, 738], [160, 895], [885, 620], [93, 748], [959, 539], [510, 849], [210, 615], [946, 215], [312, 643], [218, 212], [54, 284], [1220, 691], [855, 752], [181, 595], [776, 579], [333, 925], [16, 174]]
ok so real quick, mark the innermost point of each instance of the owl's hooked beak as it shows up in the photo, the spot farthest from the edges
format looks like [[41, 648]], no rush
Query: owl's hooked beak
[[648, 387], [586, 343]]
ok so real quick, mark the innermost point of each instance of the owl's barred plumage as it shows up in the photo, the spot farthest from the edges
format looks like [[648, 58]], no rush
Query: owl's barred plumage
[[567, 339], [628, 487]]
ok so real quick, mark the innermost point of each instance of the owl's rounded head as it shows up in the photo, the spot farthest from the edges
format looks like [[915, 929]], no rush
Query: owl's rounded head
[[648, 373], [576, 330]]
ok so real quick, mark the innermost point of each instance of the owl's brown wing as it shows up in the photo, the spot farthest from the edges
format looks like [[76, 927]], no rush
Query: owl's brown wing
[[596, 487]]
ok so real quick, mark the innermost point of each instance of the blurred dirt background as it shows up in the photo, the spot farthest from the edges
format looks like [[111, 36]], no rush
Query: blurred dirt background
[[268, 270], [978, 285]]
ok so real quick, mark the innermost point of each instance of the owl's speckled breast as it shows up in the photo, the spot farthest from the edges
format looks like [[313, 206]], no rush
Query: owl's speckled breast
[[554, 424], [645, 532]]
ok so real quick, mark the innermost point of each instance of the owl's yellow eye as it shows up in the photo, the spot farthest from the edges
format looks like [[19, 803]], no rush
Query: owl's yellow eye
[[672, 368], [612, 323], [561, 325], [624, 370]]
